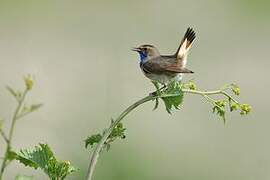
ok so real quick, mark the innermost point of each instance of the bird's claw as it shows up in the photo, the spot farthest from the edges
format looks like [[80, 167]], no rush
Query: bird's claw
[[155, 93]]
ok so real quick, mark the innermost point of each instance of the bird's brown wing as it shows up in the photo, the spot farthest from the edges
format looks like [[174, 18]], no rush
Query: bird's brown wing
[[162, 66]]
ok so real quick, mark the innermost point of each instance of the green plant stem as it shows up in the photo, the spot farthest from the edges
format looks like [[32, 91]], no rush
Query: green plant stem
[[206, 94], [10, 135], [100, 145], [107, 133], [4, 135]]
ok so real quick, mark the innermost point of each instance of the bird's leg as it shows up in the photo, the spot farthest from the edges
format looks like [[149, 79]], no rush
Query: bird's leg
[[157, 92], [163, 87]]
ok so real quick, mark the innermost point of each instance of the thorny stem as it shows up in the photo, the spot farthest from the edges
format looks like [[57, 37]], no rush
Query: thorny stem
[[98, 148], [10, 135]]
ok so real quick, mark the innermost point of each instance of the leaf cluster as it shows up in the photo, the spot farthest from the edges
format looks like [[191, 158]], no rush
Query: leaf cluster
[[233, 105], [43, 157], [219, 109], [118, 132], [173, 96]]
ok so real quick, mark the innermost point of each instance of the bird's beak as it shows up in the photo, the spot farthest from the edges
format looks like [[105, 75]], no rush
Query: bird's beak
[[136, 49]]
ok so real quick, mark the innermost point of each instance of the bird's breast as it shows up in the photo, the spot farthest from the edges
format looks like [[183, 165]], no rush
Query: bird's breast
[[161, 78]]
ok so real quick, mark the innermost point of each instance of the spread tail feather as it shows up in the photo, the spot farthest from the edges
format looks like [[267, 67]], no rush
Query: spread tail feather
[[186, 43]]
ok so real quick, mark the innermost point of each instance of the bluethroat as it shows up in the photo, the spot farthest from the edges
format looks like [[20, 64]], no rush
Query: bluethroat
[[165, 68]]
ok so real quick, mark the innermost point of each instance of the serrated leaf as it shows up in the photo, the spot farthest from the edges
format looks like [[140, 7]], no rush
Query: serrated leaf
[[173, 101], [23, 177], [219, 109], [118, 131], [42, 157], [12, 155], [94, 139]]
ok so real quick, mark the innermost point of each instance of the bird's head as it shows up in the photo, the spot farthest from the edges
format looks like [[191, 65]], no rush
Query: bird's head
[[146, 52]]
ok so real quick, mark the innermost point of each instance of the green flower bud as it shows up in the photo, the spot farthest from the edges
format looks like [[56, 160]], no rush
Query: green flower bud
[[28, 80], [191, 85], [221, 103], [245, 109], [234, 106], [235, 89]]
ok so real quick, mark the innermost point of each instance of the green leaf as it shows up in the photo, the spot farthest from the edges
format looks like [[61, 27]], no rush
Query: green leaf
[[42, 157], [28, 109], [117, 132], [15, 94], [175, 96], [12, 155], [92, 140], [219, 109], [23, 177], [35, 107]]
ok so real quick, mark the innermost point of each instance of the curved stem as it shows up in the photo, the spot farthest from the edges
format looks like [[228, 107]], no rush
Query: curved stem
[[4, 135], [98, 148], [10, 135], [107, 133], [229, 96]]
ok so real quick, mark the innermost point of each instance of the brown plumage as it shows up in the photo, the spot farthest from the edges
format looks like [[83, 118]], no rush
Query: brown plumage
[[165, 68]]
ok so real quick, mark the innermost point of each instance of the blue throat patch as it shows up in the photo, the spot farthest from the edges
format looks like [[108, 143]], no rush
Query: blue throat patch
[[142, 56]]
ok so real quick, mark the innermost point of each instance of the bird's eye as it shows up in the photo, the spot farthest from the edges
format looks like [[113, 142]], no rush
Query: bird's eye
[[144, 49]]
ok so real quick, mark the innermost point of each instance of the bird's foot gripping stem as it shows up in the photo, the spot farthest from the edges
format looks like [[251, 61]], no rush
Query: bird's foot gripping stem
[[157, 93], [159, 90]]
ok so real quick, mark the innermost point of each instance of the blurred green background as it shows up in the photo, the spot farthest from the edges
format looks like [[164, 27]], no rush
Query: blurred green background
[[85, 73]]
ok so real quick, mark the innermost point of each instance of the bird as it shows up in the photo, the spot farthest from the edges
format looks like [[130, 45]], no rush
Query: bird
[[166, 68]]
